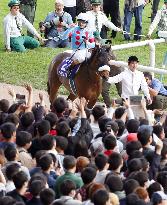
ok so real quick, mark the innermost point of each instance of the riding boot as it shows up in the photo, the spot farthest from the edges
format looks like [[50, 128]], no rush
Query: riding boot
[[75, 62]]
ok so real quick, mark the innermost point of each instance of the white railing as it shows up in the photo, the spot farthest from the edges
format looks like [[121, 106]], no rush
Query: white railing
[[151, 44]]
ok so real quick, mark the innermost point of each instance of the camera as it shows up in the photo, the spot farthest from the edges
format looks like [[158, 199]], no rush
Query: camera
[[21, 98]]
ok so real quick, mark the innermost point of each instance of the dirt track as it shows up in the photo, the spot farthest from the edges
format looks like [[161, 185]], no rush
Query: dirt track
[[21, 90]]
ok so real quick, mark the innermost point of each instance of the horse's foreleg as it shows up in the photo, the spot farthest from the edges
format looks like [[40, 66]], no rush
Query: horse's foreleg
[[71, 97]]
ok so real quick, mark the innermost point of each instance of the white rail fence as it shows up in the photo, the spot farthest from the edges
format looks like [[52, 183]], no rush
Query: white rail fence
[[151, 44]]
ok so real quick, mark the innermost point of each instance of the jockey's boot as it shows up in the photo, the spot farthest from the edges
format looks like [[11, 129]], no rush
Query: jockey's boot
[[75, 62]]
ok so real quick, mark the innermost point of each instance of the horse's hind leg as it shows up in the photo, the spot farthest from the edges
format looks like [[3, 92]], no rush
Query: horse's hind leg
[[71, 97]]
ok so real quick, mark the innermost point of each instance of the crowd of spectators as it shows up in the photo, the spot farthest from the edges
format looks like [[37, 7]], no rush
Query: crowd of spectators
[[72, 155]]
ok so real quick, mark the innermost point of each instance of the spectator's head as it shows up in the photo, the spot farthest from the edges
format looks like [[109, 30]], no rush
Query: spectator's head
[[48, 142], [132, 199], [101, 162], [27, 119], [63, 129], [20, 180], [60, 105], [11, 153], [47, 196], [67, 188], [110, 142], [4, 105], [134, 165], [101, 197], [159, 131], [61, 143], [13, 118], [69, 163], [144, 135], [43, 127], [97, 112], [121, 126], [11, 170], [119, 112], [162, 179], [7, 200], [36, 186], [93, 188], [133, 146], [102, 123], [115, 161], [148, 77], [46, 162], [23, 139], [39, 177], [52, 118], [130, 185], [114, 200], [154, 187], [142, 194], [8, 131], [81, 149], [114, 183], [88, 175], [82, 162], [38, 155], [142, 178], [132, 125]]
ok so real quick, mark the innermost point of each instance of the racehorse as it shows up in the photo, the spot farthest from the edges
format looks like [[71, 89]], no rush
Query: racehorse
[[87, 80]]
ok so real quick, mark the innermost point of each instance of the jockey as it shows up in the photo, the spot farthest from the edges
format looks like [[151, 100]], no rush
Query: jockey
[[81, 39]]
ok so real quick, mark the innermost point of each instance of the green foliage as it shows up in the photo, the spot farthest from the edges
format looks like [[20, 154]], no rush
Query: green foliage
[[32, 66]]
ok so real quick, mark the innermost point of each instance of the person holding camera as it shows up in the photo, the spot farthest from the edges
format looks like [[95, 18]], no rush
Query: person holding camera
[[55, 24]]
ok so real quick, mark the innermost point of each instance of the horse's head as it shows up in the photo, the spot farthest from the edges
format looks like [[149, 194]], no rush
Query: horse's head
[[104, 54]]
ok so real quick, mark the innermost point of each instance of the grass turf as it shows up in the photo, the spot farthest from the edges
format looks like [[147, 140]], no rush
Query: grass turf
[[32, 66]]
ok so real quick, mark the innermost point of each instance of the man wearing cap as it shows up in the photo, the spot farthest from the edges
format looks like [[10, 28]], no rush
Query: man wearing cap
[[55, 24], [160, 20], [81, 39], [13, 23], [132, 80], [97, 18]]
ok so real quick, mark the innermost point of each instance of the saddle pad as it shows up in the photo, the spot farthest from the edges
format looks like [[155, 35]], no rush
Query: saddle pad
[[63, 67]]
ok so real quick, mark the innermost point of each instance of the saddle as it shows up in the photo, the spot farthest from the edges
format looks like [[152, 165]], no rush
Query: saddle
[[68, 69]]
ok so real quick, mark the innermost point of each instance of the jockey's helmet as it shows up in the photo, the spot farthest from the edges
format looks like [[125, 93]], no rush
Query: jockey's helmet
[[14, 3], [83, 17]]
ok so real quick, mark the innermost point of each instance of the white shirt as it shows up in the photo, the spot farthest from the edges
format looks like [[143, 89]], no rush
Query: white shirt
[[131, 83], [11, 29], [69, 3], [102, 20]]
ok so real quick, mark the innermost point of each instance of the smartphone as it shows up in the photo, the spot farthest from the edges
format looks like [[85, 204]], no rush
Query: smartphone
[[21, 98], [119, 101]]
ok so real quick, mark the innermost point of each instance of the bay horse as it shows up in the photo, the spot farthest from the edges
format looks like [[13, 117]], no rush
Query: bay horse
[[88, 81]]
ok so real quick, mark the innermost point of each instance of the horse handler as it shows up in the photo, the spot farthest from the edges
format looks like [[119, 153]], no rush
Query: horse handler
[[13, 23]]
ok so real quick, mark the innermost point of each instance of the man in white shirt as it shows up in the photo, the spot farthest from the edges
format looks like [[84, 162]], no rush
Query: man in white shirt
[[13, 23], [132, 80], [97, 18]]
